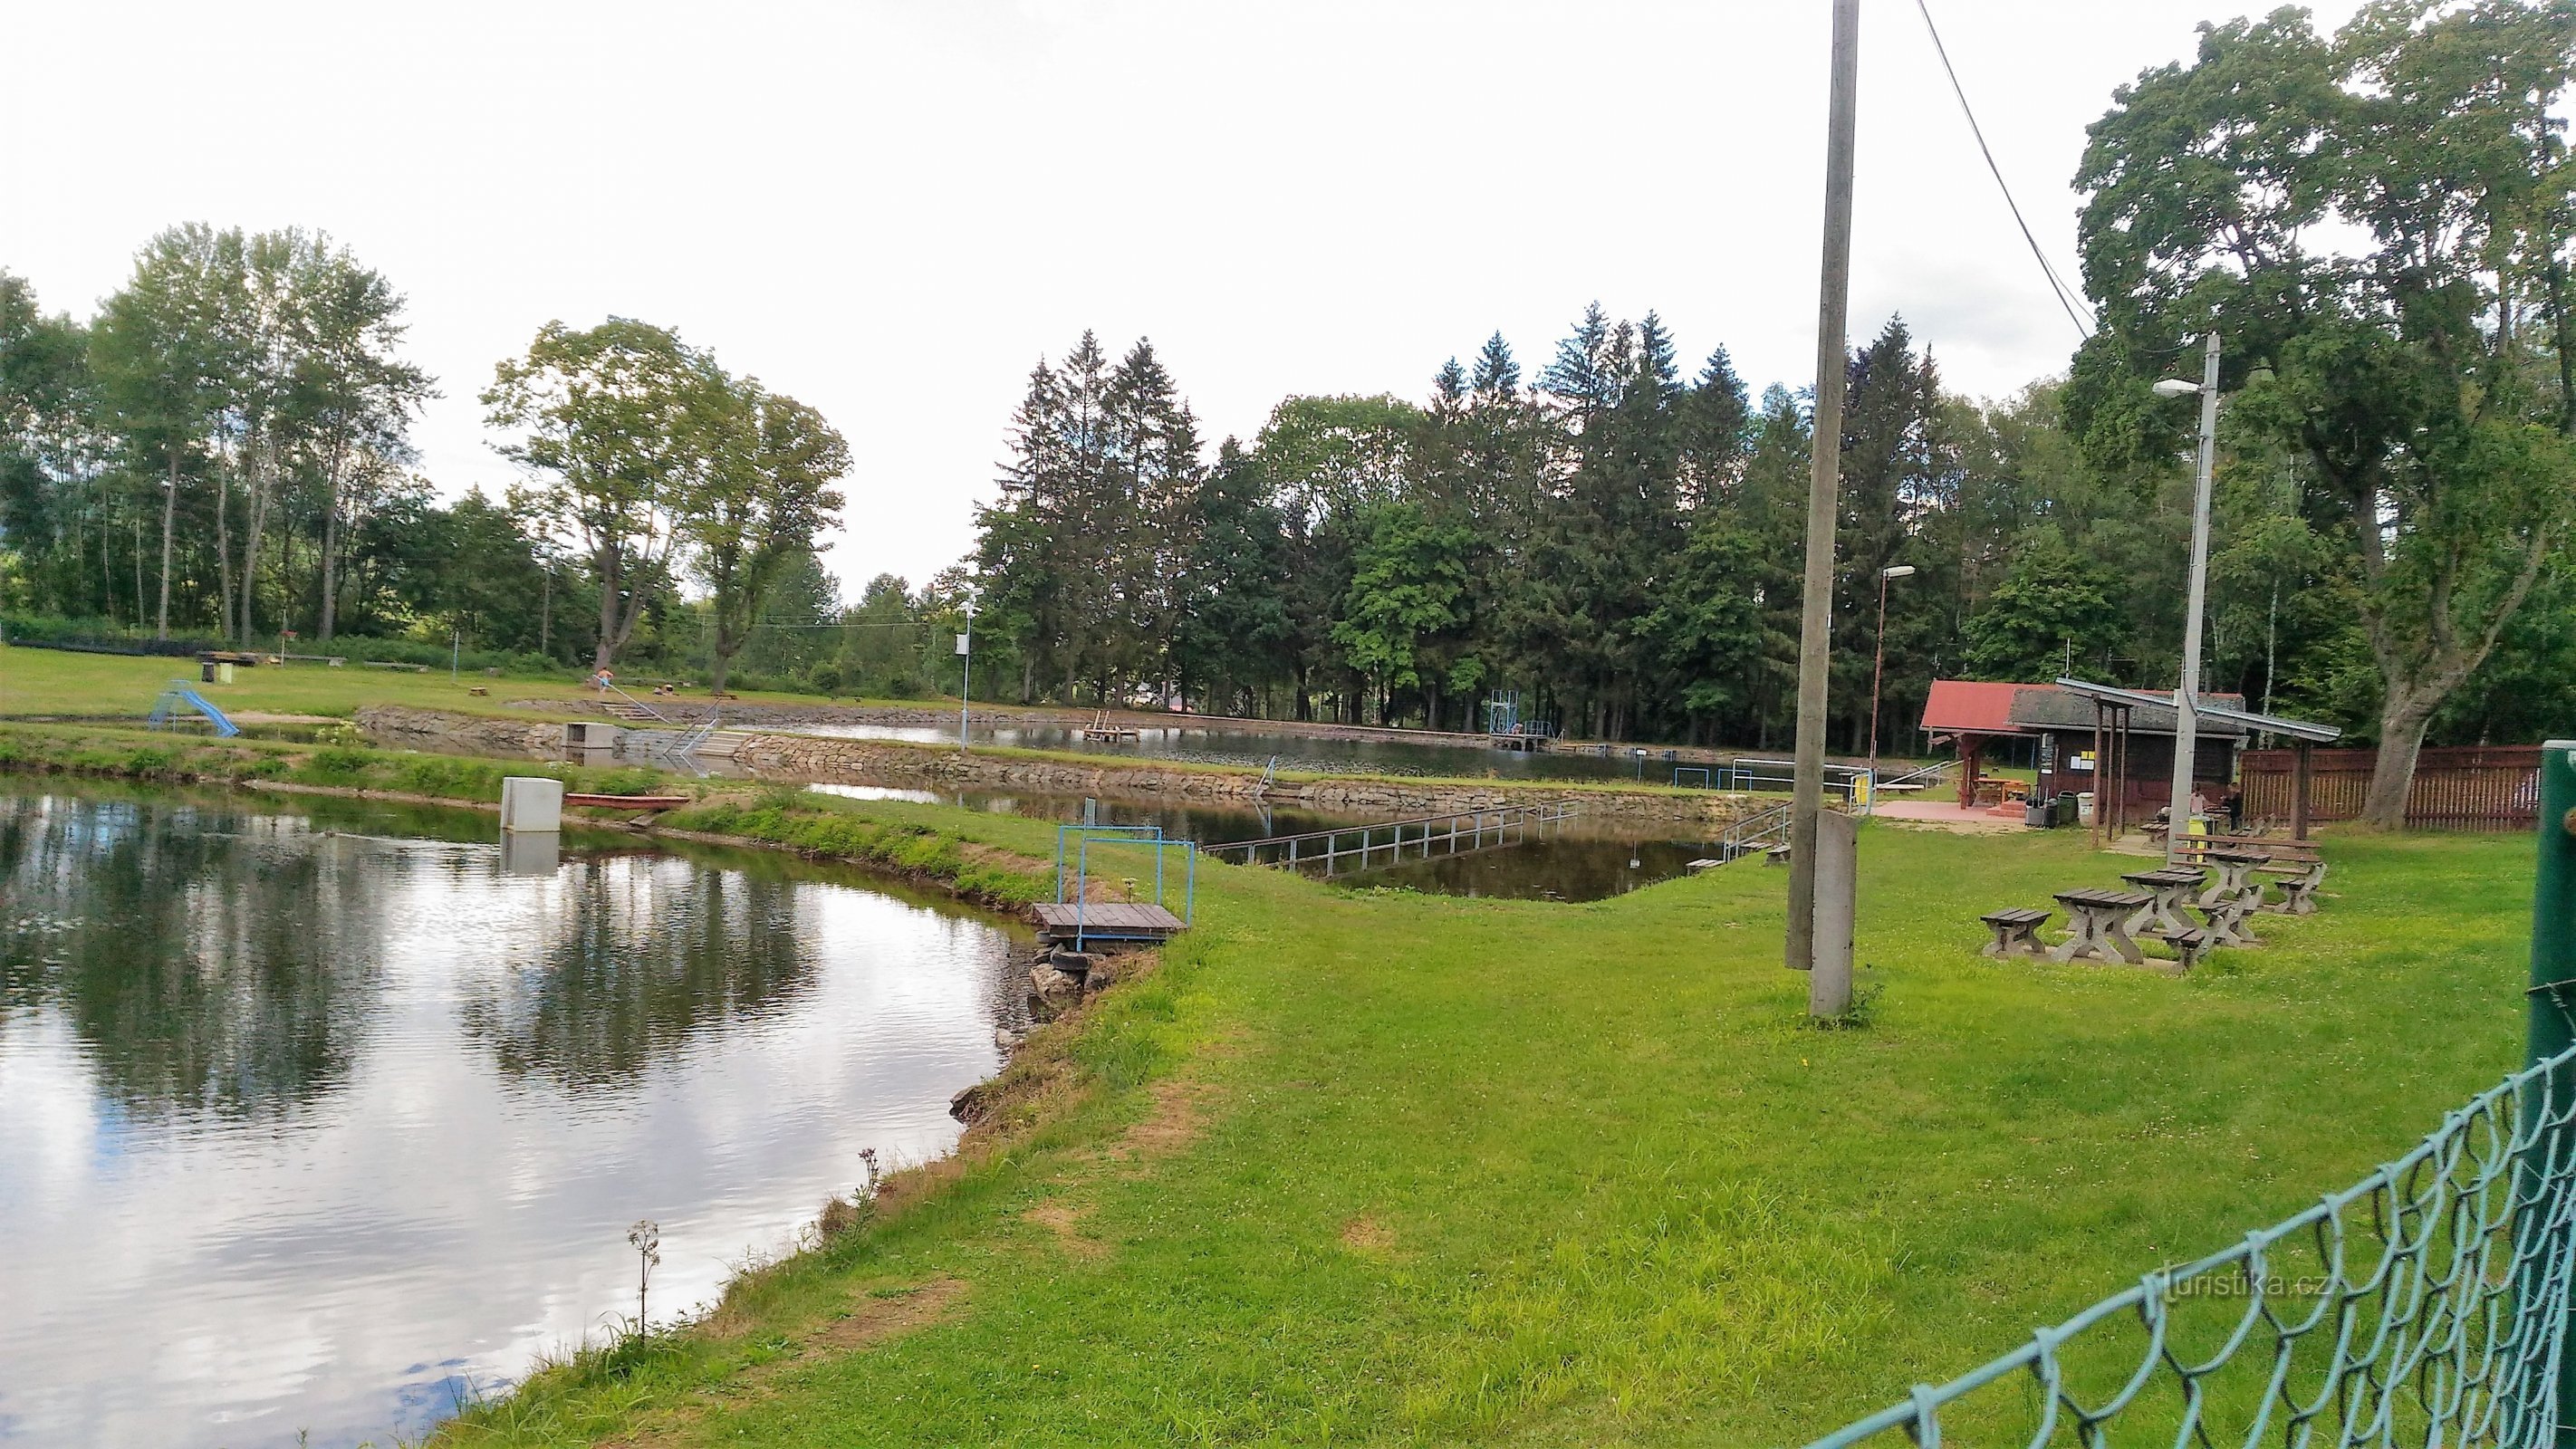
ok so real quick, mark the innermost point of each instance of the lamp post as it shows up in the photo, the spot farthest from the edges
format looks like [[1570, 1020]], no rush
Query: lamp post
[[2187, 692], [965, 674], [1878, 665]]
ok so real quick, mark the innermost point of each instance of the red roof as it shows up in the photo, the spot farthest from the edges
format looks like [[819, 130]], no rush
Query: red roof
[[1968, 706]]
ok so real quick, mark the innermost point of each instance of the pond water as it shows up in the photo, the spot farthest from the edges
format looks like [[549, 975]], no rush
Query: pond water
[[1252, 748], [1587, 861], [321, 1119]]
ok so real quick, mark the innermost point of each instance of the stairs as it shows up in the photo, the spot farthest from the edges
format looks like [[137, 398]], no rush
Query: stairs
[[628, 710]]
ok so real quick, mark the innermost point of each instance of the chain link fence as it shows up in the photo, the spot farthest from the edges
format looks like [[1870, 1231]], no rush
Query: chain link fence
[[2424, 1305]]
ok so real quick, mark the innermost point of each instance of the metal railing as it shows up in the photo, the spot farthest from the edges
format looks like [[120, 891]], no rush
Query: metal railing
[[632, 700], [1391, 842], [1754, 832]]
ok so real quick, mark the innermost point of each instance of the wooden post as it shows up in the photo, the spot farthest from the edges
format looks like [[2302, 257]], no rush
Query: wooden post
[[2101, 760], [2299, 794]]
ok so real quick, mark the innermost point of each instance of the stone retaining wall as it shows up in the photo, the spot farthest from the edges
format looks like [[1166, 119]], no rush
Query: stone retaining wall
[[400, 727]]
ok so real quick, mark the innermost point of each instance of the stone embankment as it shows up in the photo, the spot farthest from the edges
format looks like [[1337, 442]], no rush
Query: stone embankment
[[400, 727], [816, 759]]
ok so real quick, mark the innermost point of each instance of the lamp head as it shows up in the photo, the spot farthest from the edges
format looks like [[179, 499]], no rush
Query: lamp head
[[1897, 571], [2176, 387]]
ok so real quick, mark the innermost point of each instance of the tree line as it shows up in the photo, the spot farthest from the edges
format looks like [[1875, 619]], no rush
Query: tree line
[[2375, 221], [224, 450]]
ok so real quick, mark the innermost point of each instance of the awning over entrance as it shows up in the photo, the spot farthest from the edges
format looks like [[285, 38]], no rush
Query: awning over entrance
[[2305, 731]]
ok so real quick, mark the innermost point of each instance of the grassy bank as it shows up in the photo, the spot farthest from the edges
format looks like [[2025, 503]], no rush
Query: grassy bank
[[821, 826], [43, 683], [1360, 1167], [54, 682]]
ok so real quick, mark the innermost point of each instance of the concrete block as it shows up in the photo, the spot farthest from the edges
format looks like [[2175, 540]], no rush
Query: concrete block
[[532, 803]]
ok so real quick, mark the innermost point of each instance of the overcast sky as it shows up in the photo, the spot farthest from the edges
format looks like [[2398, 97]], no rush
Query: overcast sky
[[891, 211]]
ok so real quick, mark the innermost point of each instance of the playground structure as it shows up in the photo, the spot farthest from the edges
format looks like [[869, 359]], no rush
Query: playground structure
[[180, 697], [1506, 730], [1076, 920]]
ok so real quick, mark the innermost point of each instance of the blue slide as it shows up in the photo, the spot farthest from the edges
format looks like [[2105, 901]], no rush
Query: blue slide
[[179, 696]]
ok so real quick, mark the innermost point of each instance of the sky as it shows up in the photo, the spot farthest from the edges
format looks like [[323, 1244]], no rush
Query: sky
[[892, 211]]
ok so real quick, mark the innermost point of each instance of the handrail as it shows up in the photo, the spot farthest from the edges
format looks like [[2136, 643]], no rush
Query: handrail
[[630, 699], [1448, 829]]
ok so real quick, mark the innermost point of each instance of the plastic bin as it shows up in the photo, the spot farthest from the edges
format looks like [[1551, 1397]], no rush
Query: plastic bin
[[2083, 807]]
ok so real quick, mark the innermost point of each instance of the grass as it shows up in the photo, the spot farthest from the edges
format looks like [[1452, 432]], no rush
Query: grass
[[54, 682], [1387, 1168]]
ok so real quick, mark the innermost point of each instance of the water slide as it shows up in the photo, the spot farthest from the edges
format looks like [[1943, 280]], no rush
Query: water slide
[[179, 696]]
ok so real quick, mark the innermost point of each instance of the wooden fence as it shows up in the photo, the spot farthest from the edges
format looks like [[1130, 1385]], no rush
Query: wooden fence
[[2457, 787]]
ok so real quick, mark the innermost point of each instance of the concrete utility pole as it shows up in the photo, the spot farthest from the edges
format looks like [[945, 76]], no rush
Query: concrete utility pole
[[1829, 985], [2187, 695]]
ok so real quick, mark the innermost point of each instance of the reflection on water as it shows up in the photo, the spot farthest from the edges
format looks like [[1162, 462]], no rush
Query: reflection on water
[[314, 1121], [1558, 867], [1256, 748], [1208, 824]]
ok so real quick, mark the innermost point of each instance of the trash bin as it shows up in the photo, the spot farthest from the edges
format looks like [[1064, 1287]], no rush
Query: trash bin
[[2038, 814], [205, 671], [2065, 807], [2083, 807]]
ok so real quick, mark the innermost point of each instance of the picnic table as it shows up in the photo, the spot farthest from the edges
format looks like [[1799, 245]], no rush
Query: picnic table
[[2166, 888], [2226, 916], [2299, 890], [2235, 876], [2098, 926]]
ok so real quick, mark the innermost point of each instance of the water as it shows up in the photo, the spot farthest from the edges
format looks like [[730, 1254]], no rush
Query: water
[[1253, 749], [1561, 867], [317, 1119], [1208, 824]]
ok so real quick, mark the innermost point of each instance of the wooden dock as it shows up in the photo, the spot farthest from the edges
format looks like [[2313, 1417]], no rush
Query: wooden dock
[[1105, 921]]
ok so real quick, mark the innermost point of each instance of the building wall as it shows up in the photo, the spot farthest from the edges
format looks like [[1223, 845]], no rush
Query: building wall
[[2150, 766]]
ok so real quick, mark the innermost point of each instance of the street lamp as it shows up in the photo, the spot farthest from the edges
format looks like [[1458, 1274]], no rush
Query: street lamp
[[2187, 691], [965, 673], [1878, 664]]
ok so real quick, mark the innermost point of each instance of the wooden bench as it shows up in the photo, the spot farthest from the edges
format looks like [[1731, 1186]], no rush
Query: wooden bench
[[2016, 932], [2189, 946]]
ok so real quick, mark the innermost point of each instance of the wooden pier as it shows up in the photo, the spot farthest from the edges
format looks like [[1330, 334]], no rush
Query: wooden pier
[[1105, 921], [1102, 730]]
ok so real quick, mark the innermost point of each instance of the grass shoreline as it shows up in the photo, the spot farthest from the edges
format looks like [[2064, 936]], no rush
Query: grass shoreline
[[1385, 1167]]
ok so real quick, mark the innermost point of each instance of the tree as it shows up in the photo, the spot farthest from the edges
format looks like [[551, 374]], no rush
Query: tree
[[764, 497], [1407, 580], [2052, 606], [2376, 222], [351, 399], [618, 416], [166, 360]]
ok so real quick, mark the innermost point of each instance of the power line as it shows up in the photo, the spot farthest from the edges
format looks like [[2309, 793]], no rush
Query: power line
[[2057, 285]]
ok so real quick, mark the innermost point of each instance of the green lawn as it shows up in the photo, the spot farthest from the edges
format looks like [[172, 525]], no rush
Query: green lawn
[[60, 682], [1392, 1168]]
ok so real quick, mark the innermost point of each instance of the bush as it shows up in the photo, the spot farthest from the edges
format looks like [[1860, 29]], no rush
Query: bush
[[826, 679]]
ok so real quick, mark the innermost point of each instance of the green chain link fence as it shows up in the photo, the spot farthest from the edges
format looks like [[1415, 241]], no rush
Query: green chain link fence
[[2425, 1305]]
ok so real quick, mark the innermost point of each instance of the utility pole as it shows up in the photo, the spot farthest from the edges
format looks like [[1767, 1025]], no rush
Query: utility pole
[[2187, 695], [1829, 982]]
